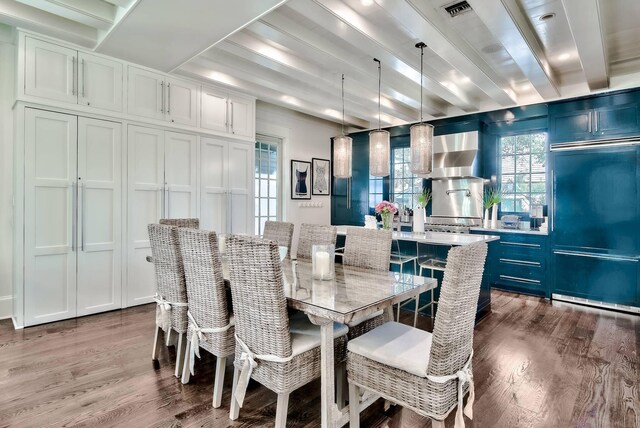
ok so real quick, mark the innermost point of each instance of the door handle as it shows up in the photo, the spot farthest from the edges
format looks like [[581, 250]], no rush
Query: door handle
[[169, 98], [84, 213], [168, 201], [590, 131], [595, 120], [520, 244], [74, 217], [162, 97], [84, 78], [73, 75], [232, 131], [598, 256], [517, 279], [553, 200]]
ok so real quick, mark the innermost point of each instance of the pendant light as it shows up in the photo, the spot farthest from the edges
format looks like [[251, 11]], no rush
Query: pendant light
[[342, 149], [379, 144], [421, 135]]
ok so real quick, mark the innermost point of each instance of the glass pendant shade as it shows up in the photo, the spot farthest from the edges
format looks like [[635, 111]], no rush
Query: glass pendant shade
[[379, 148], [421, 148], [342, 152]]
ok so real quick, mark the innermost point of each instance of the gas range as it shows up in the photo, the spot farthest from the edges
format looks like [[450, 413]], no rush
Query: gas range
[[451, 224]]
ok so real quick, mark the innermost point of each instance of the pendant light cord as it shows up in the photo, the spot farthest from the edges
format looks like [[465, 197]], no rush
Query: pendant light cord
[[421, 74], [343, 104], [379, 88]]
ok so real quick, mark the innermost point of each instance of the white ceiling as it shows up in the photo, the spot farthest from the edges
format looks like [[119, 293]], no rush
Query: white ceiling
[[292, 53]]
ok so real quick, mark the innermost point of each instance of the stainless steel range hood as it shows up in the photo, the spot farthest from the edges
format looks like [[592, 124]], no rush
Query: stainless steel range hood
[[455, 155]]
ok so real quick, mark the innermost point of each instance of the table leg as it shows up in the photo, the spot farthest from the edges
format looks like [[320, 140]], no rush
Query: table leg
[[327, 374]]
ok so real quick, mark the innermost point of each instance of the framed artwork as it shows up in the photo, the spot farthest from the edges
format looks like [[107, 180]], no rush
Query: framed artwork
[[321, 173], [300, 179]]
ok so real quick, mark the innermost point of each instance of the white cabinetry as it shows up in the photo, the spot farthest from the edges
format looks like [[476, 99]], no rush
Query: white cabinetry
[[162, 184], [72, 230], [63, 74], [156, 96], [228, 113], [226, 186]]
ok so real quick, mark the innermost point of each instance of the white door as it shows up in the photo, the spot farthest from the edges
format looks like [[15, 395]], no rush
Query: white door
[[181, 175], [182, 102], [50, 207], [241, 172], [213, 184], [50, 71], [99, 284], [242, 116], [99, 82], [144, 205], [145, 95], [214, 110]]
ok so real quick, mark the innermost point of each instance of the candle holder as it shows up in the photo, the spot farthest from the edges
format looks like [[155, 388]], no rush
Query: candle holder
[[323, 262]]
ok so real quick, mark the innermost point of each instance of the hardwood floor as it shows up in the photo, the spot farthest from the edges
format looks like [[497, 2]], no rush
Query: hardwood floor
[[535, 365]]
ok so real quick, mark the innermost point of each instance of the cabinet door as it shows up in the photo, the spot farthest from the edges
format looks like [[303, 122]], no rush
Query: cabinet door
[[213, 184], [569, 127], [241, 182], [181, 175], [99, 285], [50, 216], [214, 110], [50, 71], [145, 205], [99, 82], [182, 102], [145, 94], [242, 116], [617, 120]]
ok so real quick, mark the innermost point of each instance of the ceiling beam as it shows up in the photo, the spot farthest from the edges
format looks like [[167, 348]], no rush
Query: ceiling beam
[[586, 28], [339, 19], [509, 24], [196, 71], [98, 14], [30, 18]]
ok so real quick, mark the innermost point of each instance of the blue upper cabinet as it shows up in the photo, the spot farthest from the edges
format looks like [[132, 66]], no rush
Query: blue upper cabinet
[[604, 117], [349, 204]]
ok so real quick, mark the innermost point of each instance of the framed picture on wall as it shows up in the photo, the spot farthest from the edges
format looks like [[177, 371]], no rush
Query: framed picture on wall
[[321, 171], [300, 179]]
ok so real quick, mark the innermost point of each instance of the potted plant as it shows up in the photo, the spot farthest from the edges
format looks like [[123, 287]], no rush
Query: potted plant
[[492, 197], [386, 210], [419, 212]]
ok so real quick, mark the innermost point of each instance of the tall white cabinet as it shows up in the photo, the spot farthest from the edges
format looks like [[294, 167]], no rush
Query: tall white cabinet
[[163, 172], [72, 228]]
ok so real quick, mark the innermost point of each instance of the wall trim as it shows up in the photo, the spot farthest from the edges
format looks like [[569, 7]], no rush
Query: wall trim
[[6, 307]]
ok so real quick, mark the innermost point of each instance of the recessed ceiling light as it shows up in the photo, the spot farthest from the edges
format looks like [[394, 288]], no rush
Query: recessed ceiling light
[[366, 2], [493, 48], [564, 57], [546, 16]]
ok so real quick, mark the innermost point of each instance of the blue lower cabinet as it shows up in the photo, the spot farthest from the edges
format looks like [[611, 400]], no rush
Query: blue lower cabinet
[[518, 263]]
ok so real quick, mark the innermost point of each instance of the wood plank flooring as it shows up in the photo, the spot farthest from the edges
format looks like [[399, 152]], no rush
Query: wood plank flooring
[[535, 365]]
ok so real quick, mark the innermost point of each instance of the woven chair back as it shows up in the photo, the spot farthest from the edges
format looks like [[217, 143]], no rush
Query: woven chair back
[[259, 303], [192, 223], [368, 248], [315, 234], [457, 305], [204, 277]]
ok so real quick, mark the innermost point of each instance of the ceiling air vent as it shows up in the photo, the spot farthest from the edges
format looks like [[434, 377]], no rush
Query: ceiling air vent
[[458, 8]]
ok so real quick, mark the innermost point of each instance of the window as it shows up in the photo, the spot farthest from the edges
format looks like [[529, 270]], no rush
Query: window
[[523, 161], [405, 187], [267, 181], [376, 194]]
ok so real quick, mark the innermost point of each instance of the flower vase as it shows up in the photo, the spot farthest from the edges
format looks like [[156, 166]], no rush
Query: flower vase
[[387, 218], [486, 223], [418, 220], [494, 216]]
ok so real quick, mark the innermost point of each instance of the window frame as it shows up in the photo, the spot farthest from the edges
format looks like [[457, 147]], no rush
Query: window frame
[[257, 215]]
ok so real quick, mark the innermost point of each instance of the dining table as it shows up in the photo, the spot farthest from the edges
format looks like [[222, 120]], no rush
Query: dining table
[[353, 293]]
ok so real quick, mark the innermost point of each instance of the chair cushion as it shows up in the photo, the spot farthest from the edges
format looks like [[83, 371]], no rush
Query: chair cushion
[[395, 345], [306, 336], [360, 320]]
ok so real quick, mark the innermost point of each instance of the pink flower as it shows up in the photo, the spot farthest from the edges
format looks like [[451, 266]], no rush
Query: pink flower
[[386, 207]]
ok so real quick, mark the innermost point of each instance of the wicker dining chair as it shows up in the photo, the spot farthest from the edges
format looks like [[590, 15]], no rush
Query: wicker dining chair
[[267, 350], [314, 234], [171, 292], [371, 249], [427, 373], [280, 232], [211, 326], [192, 223]]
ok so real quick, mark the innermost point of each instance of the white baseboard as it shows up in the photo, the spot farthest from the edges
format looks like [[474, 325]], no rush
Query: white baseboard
[[6, 307]]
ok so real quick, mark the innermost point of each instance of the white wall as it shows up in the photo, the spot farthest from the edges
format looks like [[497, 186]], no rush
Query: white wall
[[305, 137], [7, 61]]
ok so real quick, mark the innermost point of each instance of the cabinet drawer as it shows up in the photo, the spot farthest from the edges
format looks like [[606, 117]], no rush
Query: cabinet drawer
[[526, 273], [520, 285], [523, 251]]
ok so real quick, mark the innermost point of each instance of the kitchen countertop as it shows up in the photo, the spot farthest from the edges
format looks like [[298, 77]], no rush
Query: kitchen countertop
[[503, 230], [435, 238]]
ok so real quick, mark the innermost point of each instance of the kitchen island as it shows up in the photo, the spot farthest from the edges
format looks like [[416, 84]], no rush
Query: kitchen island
[[434, 246]]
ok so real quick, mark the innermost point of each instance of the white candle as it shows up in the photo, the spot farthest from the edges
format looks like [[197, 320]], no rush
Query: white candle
[[322, 264], [221, 244]]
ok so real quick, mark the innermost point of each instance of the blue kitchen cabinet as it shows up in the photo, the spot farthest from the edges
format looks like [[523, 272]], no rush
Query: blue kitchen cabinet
[[596, 118], [594, 224], [350, 204]]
